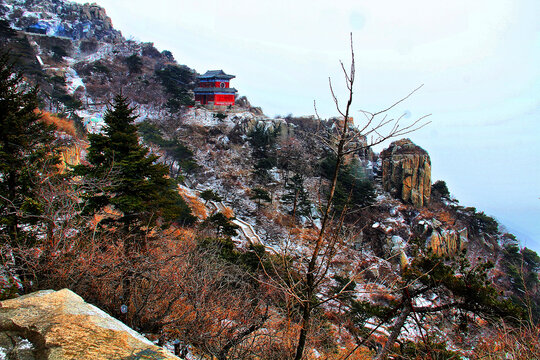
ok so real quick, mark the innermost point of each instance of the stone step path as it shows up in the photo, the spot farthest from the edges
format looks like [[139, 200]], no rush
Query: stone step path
[[248, 231]]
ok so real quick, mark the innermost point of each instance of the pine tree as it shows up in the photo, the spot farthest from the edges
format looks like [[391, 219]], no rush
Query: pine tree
[[263, 141], [28, 152], [138, 187], [353, 190], [459, 292], [223, 225], [210, 195], [297, 196], [259, 194]]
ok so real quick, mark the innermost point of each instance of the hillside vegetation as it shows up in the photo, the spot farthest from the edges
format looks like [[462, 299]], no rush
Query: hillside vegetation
[[225, 234]]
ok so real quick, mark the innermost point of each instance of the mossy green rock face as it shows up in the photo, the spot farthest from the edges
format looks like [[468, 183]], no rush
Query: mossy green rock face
[[59, 325], [407, 172]]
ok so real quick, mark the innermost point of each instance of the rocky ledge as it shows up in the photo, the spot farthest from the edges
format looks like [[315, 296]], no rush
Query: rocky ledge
[[59, 325]]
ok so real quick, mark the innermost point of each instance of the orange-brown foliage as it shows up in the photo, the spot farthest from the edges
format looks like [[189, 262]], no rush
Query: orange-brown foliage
[[521, 343], [362, 353], [278, 218], [228, 212], [446, 217], [426, 214], [64, 125], [186, 234], [196, 205], [174, 287]]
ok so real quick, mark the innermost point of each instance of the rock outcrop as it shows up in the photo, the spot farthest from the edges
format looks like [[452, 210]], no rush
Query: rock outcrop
[[243, 102], [58, 325], [95, 13], [447, 242], [59, 18], [406, 172], [443, 239]]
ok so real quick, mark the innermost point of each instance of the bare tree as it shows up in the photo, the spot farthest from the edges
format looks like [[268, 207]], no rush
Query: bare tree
[[304, 283]]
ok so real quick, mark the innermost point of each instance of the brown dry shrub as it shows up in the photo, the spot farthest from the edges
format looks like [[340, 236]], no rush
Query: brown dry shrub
[[62, 124], [98, 89], [362, 353], [228, 212], [196, 205], [278, 218], [174, 288], [521, 343], [446, 217]]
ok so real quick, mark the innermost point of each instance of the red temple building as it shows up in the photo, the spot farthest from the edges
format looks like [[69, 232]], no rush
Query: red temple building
[[213, 89]]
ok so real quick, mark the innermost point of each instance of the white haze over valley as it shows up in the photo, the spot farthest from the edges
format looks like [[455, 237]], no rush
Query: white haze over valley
[[479, 61]]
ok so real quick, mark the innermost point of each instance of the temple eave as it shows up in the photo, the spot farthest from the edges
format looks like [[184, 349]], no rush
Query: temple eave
[[201, 90]]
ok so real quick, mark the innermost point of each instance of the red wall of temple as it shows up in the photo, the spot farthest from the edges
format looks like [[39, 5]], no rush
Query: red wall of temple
[[221, 99], [218, 99]]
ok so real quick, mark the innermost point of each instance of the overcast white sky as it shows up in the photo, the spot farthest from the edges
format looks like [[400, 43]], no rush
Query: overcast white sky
[[479, 61]]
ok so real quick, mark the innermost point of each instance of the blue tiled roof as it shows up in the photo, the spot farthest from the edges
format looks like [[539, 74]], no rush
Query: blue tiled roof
[[216, 74]]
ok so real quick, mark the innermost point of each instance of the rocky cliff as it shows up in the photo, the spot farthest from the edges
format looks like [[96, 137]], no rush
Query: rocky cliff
[[407, 172], [60, 18], [57, 325]]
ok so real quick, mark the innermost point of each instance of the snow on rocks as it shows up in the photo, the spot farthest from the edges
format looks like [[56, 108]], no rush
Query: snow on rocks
[[73, 81], [104, 51], [210, 118], [397, 243], [146, 112], [204, 117], [94, 123]]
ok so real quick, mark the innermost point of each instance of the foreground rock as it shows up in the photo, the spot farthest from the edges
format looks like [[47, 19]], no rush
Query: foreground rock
[[407, 172], [58, 325]]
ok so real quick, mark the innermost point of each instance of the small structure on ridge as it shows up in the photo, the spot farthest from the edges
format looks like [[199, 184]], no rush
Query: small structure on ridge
[[214, 89]]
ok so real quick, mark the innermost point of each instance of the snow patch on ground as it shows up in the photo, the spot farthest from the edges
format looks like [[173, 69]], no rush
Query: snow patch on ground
[[103, 52], [25, 344], [73, 81], [145, 112], [202, 117], [188, 355], [398, 244], [370, 324], [209, 118], [93, 121]]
